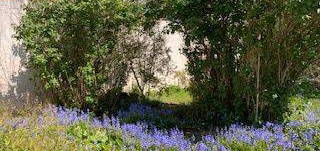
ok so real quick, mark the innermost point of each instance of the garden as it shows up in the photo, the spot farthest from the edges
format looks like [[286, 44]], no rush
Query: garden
[[252, 80]]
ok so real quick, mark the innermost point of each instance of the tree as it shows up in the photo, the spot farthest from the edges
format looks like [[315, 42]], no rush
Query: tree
[[288, 43], [84, 50], [243, 56], [74, 46]]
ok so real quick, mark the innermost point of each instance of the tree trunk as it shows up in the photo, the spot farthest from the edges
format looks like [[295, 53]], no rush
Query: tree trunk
[[136, 78], [258, 88]]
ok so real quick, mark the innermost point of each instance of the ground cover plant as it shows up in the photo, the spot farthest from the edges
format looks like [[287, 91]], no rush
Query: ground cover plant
[[49, 127]]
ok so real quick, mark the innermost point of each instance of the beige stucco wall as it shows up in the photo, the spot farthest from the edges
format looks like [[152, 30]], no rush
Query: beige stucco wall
[[178, 61], [15, 81], [14, 76], [175, 42]]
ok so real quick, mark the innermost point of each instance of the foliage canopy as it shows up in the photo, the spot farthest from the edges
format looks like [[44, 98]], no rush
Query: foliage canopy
[[243, 56], [83, 49]]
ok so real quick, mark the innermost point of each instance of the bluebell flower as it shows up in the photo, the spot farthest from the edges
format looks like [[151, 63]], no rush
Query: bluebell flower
[[311, 117], [97, 123], [294, 124], [294, 136], [202, 147], [274, 135], [222, 148], [308, 135], [209, 139], [40, 120]]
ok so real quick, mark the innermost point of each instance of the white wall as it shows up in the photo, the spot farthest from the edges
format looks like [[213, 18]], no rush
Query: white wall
[[175, 43], [14, 77]]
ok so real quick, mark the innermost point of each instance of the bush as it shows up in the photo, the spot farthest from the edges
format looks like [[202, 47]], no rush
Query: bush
[[73, 46], [83, 50], [305, 88], [244, 56], [298, 108]]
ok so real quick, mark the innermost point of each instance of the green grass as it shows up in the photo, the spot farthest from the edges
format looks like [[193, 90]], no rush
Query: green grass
[[171, 95], [315, 104], [182, 97]]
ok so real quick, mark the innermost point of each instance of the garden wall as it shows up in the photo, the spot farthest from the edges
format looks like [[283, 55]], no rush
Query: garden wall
[[14, 76]]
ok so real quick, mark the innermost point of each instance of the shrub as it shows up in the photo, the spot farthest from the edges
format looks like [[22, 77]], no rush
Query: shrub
[[73, 46], [305, 88], [244, 56], [298, 108], [83, 50]]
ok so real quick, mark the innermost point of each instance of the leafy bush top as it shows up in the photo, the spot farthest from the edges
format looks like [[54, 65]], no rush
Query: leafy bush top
[[243, 56]]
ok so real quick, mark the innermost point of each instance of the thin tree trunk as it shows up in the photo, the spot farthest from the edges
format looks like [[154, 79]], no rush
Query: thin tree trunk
[[279, 69], [258, 88], [136, 78]]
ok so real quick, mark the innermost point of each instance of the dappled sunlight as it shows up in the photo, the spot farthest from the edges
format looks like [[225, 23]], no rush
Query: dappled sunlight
[[168, 75]]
